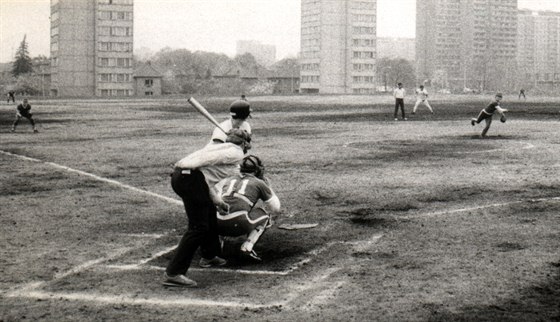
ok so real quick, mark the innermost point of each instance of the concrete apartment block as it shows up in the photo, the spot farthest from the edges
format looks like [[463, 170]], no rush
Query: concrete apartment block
[[92, 48], [338, 46]]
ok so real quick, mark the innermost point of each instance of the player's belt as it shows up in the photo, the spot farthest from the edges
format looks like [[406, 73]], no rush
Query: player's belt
[[185, 171]]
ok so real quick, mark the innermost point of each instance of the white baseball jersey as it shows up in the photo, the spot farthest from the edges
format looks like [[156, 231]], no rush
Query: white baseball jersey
[[421, 94]]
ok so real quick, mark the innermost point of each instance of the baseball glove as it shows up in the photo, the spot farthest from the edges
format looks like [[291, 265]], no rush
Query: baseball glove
[[503, 119]]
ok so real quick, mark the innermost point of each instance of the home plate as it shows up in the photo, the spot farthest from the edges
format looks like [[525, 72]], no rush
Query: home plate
[[297, 226]]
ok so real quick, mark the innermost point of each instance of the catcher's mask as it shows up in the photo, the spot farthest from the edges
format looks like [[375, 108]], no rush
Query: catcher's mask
[[252, 164]]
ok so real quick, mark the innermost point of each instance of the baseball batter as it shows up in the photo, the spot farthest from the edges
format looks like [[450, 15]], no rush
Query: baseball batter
[[487, 113], [192, 179], [422, 98], [241, 193], [239, 110]]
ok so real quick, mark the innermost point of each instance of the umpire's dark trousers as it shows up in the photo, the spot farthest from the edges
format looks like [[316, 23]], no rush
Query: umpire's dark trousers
[[202, 232], [399, 102]]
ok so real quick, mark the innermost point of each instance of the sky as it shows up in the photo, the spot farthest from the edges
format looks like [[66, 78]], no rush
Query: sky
[[207, 25]]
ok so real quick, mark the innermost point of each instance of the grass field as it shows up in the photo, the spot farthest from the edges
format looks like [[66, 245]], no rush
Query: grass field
[[419, 220]]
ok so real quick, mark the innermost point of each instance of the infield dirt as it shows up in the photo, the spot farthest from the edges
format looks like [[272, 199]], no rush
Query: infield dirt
[[418, 221]]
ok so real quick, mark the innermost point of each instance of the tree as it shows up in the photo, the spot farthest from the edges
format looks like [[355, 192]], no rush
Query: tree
[[287, 66], [22, 63], [392, 71]]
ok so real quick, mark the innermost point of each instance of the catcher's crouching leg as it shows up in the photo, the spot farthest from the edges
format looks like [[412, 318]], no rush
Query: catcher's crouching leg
[[263, 221]]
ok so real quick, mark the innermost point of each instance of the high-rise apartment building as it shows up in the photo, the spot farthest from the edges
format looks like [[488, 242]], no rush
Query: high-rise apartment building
[[466, 43], [91, 48], [538, 54], [338, 46], [264, 54]]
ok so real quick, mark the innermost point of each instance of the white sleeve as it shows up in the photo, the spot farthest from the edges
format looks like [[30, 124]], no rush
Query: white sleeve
[[500, 110], [273, 204], [225, 153]]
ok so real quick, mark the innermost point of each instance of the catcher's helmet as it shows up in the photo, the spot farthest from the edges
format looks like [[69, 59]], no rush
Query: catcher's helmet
[[252, 164], [240, 109]]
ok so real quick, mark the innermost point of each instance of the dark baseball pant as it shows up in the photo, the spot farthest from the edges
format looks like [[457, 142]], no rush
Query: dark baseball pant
[[201, 213], [28, 116], [399, 102]]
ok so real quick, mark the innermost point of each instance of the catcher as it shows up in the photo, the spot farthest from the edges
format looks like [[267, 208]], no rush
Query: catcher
[[241, 193], [23, 110], [487, 113]]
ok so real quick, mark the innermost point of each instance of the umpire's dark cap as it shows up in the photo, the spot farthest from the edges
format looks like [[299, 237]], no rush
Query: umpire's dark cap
[[238, 137], [240, 109]]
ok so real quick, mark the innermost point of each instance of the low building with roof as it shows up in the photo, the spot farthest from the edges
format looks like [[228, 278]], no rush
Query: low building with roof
[[147, 81]]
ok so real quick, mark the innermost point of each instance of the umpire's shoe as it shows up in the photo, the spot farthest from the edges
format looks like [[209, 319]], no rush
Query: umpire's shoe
[[214, 262], [178, 281]]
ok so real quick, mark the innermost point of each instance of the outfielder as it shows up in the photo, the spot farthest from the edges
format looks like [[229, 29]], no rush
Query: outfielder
[[239, 111], [241, 193], [487, 113], [23, 110], [422, 97]]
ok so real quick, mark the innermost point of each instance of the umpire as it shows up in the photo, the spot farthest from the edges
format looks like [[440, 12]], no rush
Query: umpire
[[191, 179]]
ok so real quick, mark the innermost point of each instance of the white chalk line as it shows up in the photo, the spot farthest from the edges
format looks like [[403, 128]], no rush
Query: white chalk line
[[314, 283], [26, 288], [30, 290], [446, 212], [132, 299], [308, 257], [96, 177]]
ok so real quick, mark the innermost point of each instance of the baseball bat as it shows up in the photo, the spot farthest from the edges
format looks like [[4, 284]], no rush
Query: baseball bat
[[202, 110]]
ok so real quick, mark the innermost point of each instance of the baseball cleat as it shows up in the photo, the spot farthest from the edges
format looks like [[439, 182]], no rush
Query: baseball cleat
[[472, 122], [178, 281], [214, 262]]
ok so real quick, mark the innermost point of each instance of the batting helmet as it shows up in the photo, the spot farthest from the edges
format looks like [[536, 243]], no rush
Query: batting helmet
[[252, 164], [240, 109]]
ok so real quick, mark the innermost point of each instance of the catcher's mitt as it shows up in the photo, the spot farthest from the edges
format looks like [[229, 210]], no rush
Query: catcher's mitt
[[503, 119]]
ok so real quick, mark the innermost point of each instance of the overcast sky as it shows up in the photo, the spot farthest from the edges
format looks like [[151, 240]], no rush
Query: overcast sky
[[209, 25]]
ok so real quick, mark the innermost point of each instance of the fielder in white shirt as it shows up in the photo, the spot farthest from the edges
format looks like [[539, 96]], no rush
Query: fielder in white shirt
[[399, 94], [422, 97]]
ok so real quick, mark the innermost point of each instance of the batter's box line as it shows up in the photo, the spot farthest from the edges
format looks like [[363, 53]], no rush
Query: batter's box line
[[308, 257], [30, 290]]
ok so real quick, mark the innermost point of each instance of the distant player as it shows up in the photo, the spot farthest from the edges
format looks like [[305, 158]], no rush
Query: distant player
[[487, 113], [522, 93], [11, 96], [241, 193], [23, 110], [239, 110], [399, 94], [422, 97]]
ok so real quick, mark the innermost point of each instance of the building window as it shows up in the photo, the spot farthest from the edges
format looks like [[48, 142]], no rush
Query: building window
[[104, 62], [149, 93], [104, 31], [149, 82]]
